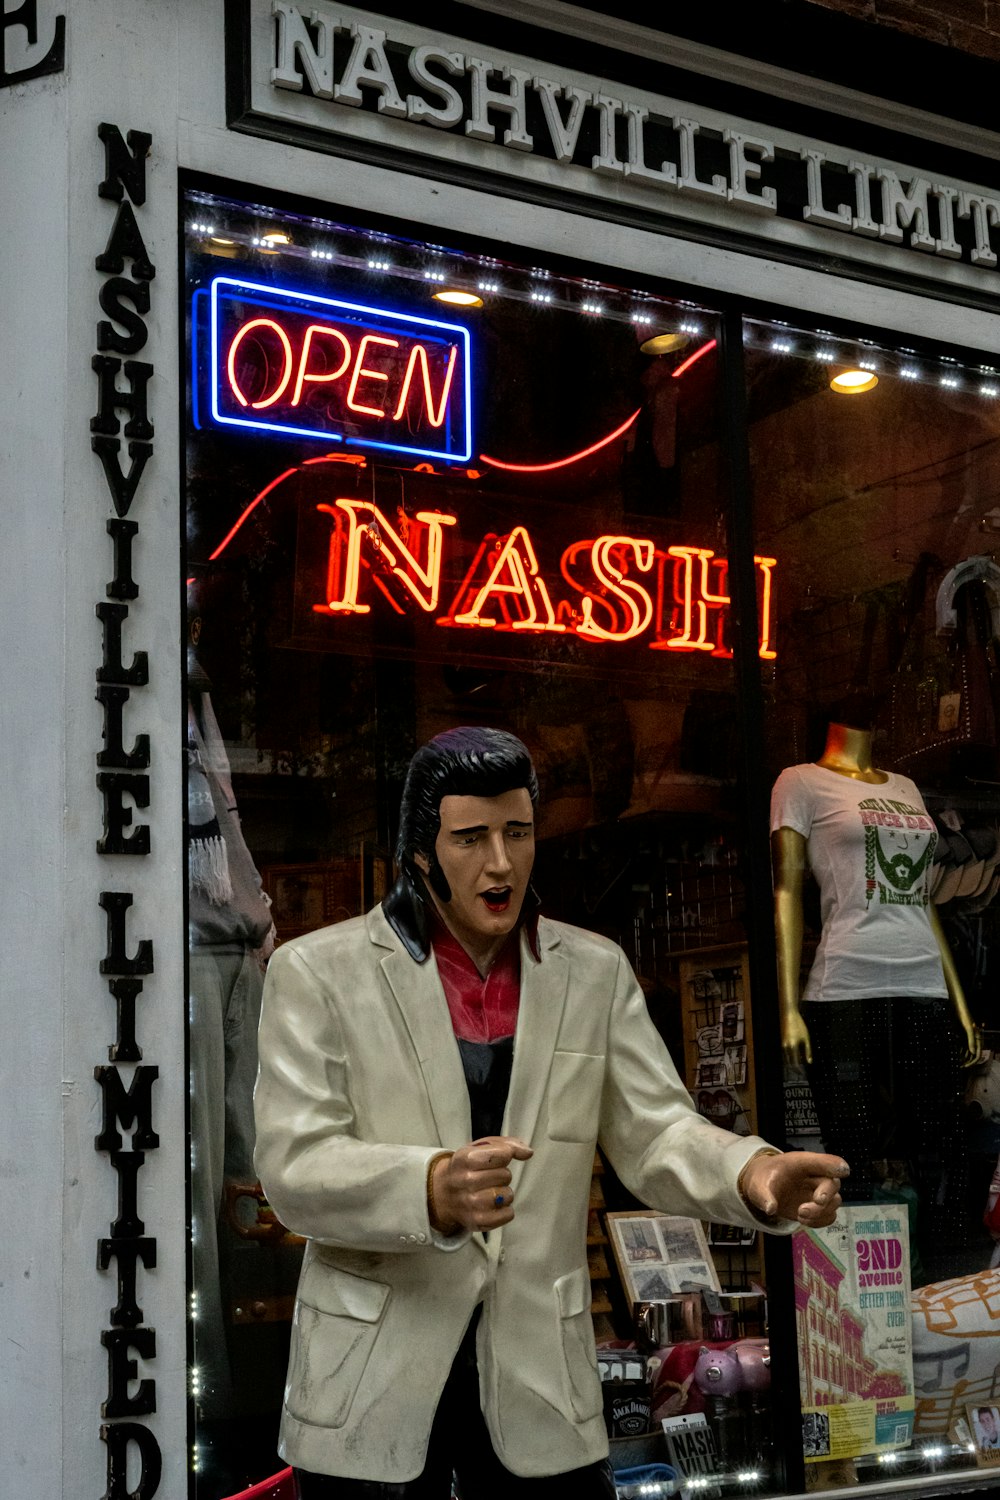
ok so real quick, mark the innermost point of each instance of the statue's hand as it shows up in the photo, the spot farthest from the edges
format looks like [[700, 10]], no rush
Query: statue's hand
[[802, 1185], [470, 1189]]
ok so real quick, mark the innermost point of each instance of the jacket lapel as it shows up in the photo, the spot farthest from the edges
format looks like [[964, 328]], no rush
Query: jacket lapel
[[416, 989], [543, 995]]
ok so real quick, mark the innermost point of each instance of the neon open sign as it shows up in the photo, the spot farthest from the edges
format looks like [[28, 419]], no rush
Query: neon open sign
[[304, 365]]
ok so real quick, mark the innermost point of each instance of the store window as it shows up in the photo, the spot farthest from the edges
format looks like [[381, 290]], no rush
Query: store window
[[875, 475], [428, 488]]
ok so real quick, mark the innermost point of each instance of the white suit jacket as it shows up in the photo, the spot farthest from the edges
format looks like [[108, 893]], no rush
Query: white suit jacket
[[360, 1084]]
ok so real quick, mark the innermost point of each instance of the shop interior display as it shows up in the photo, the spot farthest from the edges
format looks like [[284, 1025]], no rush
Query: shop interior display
[[367, 579], [884, 1026]]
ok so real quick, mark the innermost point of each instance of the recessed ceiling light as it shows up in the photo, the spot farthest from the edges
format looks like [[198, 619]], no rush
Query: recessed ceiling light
[[853, 382], [459, 299], [665, 343]]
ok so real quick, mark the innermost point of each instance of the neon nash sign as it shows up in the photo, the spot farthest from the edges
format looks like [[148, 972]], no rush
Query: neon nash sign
[[305, 365], [611, 588]]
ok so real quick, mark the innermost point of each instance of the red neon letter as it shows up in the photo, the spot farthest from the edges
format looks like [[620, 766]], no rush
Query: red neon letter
[[610, 577], [695, 637], [517, 556], [279, 390], [390, 542], [696, 599], [304, 358], [359, 370], [419, 352], [765, 564]]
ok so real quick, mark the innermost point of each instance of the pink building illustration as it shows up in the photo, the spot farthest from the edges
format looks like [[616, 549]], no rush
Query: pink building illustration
[[833, 1365]]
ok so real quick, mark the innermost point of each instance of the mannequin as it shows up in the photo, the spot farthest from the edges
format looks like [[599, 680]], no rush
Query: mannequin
[[876, 1027], [230, 937]]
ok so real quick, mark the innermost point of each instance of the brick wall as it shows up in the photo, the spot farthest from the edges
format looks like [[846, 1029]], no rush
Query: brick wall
[[971, 26]]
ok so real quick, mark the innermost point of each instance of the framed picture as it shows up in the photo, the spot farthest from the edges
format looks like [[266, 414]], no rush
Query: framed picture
[[307, 896], [983, 1421], [735, 1063], [660, 1255], [710, 1074], [732, 1235], [733, 1023], [710, 1043], [723, 1107]]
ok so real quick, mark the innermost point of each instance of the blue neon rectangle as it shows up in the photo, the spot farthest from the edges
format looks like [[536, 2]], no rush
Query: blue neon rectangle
[[456, 424]]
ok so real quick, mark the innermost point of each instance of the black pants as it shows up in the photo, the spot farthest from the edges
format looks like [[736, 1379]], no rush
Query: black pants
[[888, 1083], [460, 1442]]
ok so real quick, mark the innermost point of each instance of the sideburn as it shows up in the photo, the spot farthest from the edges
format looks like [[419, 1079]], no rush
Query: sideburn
[[436, 878]]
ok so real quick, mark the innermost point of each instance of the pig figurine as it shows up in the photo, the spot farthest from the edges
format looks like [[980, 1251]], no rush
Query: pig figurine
[[718, 1373]]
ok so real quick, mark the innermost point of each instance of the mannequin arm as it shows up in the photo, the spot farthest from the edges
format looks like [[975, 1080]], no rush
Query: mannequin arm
[[788, 855], [973, 1037]]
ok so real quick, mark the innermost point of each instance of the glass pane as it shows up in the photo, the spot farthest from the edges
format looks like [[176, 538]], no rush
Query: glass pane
[[408, 513], [875, 476]]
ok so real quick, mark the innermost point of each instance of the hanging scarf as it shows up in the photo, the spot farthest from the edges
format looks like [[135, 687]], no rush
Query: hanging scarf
[[208, 858]]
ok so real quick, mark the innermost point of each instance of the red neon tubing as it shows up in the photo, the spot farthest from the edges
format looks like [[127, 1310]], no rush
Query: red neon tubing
[[561, 463], [252, 506], [326, 458], [705, 349]]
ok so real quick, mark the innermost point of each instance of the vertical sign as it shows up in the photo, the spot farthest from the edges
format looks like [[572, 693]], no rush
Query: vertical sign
[[122, 438]]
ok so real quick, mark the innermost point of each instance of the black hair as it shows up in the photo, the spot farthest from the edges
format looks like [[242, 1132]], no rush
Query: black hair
[[466, 762]]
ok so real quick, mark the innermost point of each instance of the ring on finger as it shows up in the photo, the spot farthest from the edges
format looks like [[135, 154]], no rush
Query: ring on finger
[[498, 1201]]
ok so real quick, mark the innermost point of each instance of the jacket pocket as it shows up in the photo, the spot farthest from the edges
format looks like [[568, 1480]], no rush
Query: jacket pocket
[[336, 1323], [574, 1102], [572, 1293]]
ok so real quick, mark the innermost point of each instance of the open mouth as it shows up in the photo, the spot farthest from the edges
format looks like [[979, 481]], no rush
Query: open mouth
[[497, 899]]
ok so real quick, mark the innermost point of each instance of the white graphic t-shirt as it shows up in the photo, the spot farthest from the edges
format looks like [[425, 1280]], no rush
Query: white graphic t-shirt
[[870, 848]]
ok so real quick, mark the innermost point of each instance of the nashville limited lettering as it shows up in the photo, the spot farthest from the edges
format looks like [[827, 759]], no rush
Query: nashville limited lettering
[[335, 55]]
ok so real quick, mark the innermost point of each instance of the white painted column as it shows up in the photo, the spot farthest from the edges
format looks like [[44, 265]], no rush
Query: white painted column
[[122, 64]]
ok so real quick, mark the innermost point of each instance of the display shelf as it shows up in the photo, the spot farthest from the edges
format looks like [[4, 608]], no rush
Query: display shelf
[[716, 1014]]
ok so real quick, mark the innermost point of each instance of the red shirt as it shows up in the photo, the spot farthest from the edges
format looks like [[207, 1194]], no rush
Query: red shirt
[[482, 1010]]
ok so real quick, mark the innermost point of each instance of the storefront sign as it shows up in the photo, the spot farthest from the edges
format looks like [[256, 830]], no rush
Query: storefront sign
[[31, 46], [612, 589], [352, 554], [311, 366], [333, 71], [126, 1098]]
